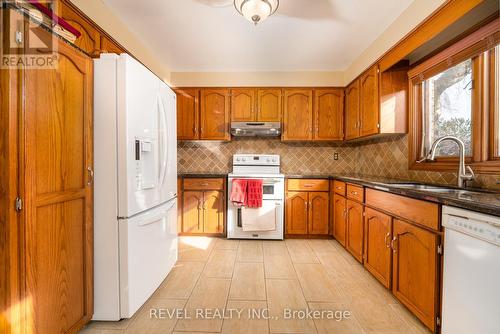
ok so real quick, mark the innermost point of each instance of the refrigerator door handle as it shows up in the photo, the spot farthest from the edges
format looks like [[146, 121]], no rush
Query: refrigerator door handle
[[163, 132], [163, 214]]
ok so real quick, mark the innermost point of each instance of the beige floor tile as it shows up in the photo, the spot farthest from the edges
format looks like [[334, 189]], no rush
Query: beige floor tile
[[250, 251], [274, 248], [415, 324], [247, 322], [220, 264], [180, 281], [226, 244], [335, 318], [211, 294], [282, 296], [278, 266], [157, 316], [320, 246], [378, 317], [316, 285], [334, 264], [248, 282], [195, 248], [300, 252], [109, 325], [89, 330]]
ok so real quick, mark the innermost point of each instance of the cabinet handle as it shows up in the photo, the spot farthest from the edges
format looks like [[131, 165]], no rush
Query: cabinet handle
[[308, 185], [339, 188], [354, 193], [90, 172], [393, 244], [204, 184], [386, 240]]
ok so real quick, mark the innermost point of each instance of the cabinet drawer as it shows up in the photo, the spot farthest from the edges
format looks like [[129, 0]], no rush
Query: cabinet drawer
[[339, 187], [355, 192], [202, 184], [307, 185], [420, 212]]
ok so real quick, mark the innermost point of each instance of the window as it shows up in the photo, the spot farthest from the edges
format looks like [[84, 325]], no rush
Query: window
[[447, 109], [457, 92]]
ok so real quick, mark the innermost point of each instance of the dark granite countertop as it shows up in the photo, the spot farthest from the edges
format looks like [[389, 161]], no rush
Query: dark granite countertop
[[200, 175], [479, 200]]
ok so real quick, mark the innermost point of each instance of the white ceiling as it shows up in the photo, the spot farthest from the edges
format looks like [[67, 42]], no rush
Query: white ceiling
[[303, 35]]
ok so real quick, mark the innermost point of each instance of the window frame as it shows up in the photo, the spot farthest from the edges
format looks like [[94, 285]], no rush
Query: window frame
[[478, 46]]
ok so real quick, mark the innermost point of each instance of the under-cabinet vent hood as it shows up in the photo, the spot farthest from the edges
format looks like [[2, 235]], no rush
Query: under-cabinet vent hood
[[256, 129]]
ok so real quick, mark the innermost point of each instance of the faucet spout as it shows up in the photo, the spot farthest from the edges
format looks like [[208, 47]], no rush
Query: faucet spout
[[465, 173]]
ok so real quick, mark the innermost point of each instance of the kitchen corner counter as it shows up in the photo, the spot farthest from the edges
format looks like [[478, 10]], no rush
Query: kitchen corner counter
[[479, 200]]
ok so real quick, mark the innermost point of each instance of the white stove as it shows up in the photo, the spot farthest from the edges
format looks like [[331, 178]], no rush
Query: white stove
[[267, 168]]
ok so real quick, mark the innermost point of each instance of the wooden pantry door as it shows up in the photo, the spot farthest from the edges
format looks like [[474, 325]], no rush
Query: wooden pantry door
[[57, 153]]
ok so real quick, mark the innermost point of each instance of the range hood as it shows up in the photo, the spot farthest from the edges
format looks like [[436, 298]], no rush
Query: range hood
[[256, 129]]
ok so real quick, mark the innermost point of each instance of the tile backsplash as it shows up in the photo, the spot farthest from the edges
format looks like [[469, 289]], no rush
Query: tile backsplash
[[386, 157]]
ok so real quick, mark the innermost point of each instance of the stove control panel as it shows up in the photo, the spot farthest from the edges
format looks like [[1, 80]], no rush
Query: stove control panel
[[256, 160]]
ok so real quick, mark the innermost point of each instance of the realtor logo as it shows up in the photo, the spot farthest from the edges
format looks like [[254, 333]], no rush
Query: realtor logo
[[27, 41]]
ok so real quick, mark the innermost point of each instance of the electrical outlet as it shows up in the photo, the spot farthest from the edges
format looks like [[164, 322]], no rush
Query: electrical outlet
[[335, 156]]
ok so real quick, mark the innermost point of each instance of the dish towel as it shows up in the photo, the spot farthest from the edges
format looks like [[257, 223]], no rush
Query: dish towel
[[239, 192], [254, 193]]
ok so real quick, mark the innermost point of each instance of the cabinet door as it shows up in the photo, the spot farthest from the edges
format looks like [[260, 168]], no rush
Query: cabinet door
[[57, 219], [108, 46], [378, 235], [298, 115], [354, 239], [296, 212], [213, 212], [339, 219], [352, 111], [192, 212], [90, 38], [328, 114], [318, 213], [188, 115], [269, 105], [242, 105], [215, 114], [415, 270], [369, 111]]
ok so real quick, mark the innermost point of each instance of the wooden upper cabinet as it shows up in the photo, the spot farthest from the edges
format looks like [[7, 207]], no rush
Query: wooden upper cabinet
[[328, 114], [213, 212], [109, 46], [269, 105], [214, 114], [188, 114], [352, 119], [90, 38], [415, 270], [354, 235], [296, 212], [318, 213], [378, 255], [339, 219], [369, 102], [298, 115], [242, 105]]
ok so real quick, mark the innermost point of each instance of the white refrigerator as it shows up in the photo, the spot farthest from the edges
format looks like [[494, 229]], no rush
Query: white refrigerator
[[135, 206]]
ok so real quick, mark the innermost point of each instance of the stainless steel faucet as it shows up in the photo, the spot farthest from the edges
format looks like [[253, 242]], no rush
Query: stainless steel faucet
[[465, 173]]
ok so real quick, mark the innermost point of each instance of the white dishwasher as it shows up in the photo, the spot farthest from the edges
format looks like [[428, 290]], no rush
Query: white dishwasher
[[471, 272]]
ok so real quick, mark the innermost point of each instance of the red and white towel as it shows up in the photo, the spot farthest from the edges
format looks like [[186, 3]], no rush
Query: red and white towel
[[247, 192], [254, 193], [239, 192]]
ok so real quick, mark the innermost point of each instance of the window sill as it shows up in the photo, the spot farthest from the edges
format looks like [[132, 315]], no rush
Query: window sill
[[485, 167]]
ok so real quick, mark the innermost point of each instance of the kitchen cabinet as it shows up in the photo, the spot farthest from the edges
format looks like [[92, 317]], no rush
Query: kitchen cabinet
[[203, 206], [352, 119], [47, 114], [298, 115], [307, 207], [354, 233], [339, 220], [109, 46], [269, 105], [214, 114], [188, 114], [369, 102], [415, 270], [377, 250], [328, 114], [243, 105]]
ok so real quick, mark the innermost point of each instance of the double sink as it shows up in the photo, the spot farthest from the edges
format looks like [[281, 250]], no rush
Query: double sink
[[437, 189]]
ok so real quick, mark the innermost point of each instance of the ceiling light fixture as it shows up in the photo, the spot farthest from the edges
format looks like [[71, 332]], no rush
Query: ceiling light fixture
[[256, 10]]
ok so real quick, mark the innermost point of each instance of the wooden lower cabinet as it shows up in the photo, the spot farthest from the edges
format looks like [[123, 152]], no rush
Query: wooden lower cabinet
[[354, 235], [192, 212], [339, 219], [377, 250], [415, 270], [296, 212], [213, 212], [318, 213]]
